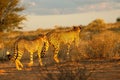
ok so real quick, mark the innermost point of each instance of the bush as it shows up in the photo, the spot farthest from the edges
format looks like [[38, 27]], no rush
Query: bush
[[103, 48], [96, 25]]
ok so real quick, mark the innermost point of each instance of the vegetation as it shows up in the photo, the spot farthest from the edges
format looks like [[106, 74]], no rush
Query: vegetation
[[98, 41], [70, 72], [104, 44], [96, 25], [9, 17]]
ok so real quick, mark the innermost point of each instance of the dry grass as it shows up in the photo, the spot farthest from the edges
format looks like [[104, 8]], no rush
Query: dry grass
[[103, 45], [98, 41]]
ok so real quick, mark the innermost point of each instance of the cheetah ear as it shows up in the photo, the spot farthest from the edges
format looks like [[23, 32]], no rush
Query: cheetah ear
[[74, 27], [80, 27]]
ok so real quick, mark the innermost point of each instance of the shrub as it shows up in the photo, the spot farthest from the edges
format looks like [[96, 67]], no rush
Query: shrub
[[103, 48], [96, 25]]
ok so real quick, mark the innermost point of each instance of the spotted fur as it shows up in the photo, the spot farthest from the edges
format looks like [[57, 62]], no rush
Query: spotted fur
[[31, 46], [55, 38]]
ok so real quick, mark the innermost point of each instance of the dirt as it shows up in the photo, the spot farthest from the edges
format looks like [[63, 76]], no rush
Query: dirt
[[89, 70]]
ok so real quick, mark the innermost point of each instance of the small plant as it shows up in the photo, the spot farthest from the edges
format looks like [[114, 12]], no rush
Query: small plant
[[68, 72]]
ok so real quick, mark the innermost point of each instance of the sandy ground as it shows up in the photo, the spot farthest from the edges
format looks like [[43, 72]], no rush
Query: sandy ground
[[98, 70]]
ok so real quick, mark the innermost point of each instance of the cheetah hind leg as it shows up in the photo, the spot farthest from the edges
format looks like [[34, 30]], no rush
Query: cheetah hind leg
[[56, 59], [56, 55], [19, 65]]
